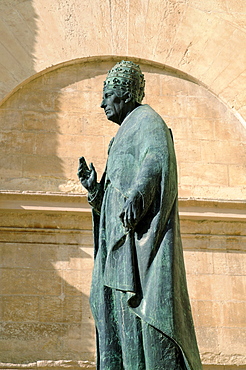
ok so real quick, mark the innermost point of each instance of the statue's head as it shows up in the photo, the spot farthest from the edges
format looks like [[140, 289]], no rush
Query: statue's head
[[126, 76], [123, 90]]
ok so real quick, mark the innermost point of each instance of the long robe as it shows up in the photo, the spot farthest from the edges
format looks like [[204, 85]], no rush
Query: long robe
[[146, 263]]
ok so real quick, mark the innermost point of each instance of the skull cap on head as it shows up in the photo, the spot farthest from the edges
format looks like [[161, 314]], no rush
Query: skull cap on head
[[126, 76]]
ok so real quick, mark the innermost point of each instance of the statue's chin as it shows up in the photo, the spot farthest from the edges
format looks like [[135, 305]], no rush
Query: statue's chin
[[111, 117]]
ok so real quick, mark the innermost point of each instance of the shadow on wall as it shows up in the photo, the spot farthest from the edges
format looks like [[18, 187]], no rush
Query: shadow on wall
[[54, 119], [48, 124], [46, 264], [18, 34], [44, 309]]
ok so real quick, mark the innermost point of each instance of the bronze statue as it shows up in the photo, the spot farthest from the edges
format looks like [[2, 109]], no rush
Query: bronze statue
[[139, 296]]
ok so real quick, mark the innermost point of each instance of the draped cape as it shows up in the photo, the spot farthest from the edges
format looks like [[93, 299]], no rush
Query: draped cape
[[147, 262]]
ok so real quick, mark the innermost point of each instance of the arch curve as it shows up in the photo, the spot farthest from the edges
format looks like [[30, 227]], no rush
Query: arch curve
[[54, 117]]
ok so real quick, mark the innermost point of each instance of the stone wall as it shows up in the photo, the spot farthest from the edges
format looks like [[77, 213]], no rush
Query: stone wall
[[46, 258], [53, 59], [54, 119], [205, 39]]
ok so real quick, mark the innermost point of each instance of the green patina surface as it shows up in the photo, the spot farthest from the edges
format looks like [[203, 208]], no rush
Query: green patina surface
[[139, 295]]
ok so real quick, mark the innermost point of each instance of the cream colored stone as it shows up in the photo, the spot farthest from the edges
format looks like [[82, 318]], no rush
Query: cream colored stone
[[176, 39], [11, 165], [46, 270], [46, 251], [51, 148], [229, 263], [208, 338], [237, 174], [234, 314], [204, 174], [207, 313], [20, 308], [30, 282], [236, 336], [198, 262], [238, 287], [77, 281]]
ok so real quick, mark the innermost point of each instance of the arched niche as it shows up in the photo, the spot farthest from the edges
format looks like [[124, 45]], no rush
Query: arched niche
[[55, 117]]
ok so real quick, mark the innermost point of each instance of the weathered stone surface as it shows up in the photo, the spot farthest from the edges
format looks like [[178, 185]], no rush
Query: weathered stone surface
[[40, 153], [41, 36], [46, 252], [46, 259]]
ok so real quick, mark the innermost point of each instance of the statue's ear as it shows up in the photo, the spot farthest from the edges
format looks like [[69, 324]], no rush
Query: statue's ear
[[127, 97]]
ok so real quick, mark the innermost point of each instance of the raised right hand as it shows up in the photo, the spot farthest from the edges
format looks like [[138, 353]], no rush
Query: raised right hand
[[87, 176]]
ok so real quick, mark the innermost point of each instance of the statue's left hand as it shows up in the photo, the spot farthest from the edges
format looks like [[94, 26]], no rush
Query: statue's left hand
[[132, 211]]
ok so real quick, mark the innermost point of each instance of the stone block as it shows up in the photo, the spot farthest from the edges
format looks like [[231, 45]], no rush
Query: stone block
[[172, 106], [203, 174], [229, 128], [11, 164], [203, 128], [78, 101], [84, 344], [74, 331], [22, 331], [234, 314], [238, 287], [236, 243], [188, 153], [39, 166], [10, 139], [196, 242], [55, 80], [1, 308], [68, 257], [30, 282], [217, 242], [95, 125], [207, 313], [24, 143], [73, 309], [39, 101], [173, 86], [202, 107], [49, 236], [198, 262], [237, 175], [207, 338], [200, 287], [215, 367], [76, 282], [222, 288], [49, 256], [46, 144], [75, 146], [210, 287], [60, 309], [20, 308], [40, 121], [11, 119], [236, 337], [225, 152], [51, 309], [229, 263], [153, 85], [15, 255], [181, 127]]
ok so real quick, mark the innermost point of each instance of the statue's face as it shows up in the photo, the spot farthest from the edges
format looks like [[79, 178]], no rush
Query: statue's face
[[113, 106]]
